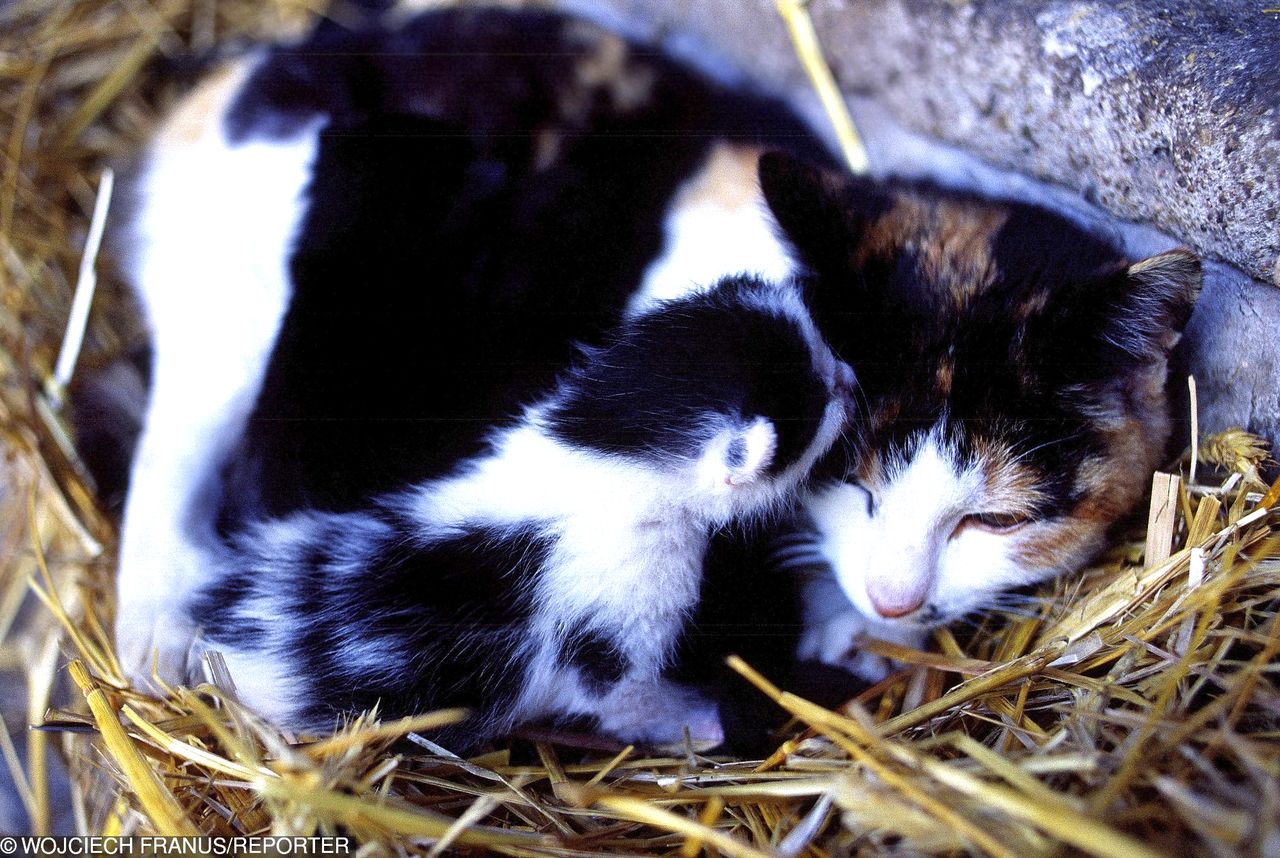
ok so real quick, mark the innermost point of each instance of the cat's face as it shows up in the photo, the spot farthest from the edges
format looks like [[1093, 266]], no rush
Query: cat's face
[[1011, 397]]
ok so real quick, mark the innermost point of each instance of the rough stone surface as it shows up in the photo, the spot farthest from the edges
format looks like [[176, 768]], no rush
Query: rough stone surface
[[1231, 347], [1163, 113], [1156, 125]]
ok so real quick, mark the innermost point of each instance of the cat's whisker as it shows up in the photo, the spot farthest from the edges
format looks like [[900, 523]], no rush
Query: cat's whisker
[[817, 566], [1021, 455], [1025, 613], [1013, 598], [799, 537]]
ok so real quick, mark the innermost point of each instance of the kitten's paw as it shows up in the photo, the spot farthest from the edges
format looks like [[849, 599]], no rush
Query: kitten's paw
[[834, 641], [153, 642], [161, 567], [658, 713]]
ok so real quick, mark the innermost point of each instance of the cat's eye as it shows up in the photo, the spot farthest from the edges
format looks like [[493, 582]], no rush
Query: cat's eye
[[994, 522], [870, 498]]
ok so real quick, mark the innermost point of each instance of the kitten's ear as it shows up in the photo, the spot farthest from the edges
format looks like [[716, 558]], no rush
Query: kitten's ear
[[1152, 305], [821, 213], [740, 455]]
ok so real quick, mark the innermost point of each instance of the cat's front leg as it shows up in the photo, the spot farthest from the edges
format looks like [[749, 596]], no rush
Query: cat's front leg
[[832, 627], [165, 557]]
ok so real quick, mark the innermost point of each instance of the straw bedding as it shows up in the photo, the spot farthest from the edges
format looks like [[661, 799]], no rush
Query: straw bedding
[[1134, 711]]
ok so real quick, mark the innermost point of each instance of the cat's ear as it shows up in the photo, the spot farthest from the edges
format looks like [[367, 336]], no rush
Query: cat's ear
[[1136, 317], [739, 455], [821, 214], [1150, 305], [1113, 335]]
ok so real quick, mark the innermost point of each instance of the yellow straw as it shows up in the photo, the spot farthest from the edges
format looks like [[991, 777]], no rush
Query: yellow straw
[[805, 39]]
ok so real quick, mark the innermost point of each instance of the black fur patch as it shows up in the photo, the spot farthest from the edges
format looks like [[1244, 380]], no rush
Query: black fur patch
[[107, 408], [596, 658], [214, 608], [750, 607], [450, 617], [455, 610]]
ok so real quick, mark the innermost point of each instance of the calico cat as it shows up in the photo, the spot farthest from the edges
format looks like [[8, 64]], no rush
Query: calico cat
[[551, 575], [1012, 374]]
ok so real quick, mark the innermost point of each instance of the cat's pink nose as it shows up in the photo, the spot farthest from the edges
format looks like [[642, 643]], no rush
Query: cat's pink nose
[[898, 605]]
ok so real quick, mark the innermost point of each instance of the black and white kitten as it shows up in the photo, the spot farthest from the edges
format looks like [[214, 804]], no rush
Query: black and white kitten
[[551, 575]]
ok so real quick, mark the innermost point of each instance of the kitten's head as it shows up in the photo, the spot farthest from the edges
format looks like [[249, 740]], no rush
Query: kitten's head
[[731, 395], [1011, 374]]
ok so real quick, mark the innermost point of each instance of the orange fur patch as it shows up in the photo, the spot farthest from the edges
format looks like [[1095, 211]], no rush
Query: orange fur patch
[[944, 376], [884, 416], [607, 67], [1010, 486], [951, 241], [1032, 305], [1061, 545], [199, 113], [546, 148], [726, 180], [1111, 485]]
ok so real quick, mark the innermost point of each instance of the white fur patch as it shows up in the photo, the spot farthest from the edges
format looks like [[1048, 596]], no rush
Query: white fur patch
[[889, 562], [264, 682], [718, 225], [629, 538], [738, 457], [901, 561], [209, 253]]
